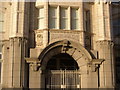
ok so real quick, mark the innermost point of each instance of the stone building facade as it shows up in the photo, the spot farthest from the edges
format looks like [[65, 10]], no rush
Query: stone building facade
[[60, 45]]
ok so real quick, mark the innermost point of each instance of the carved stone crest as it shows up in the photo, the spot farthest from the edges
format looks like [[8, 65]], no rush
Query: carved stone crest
[[39, 40]]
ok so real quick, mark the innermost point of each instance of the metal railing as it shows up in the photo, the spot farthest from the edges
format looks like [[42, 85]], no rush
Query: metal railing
[[63, 79]]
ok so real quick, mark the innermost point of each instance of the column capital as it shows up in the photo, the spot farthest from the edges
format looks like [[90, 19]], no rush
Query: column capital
[[103, 42], [34, 63], [94, 64]]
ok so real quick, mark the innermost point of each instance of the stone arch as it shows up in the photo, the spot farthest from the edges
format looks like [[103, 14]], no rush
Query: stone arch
[[75, 50]]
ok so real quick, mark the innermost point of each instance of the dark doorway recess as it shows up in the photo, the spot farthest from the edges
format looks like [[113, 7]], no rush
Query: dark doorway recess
[[62, 61]]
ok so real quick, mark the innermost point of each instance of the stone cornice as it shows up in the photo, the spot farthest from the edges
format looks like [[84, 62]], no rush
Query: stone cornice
[[61, 30]]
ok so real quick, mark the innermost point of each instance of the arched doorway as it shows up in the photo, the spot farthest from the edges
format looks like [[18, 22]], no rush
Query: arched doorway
[[70, 71], [64, 64], [62, 71]]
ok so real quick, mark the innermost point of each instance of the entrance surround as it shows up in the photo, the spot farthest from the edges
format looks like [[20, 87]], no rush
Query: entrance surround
[[88, 66]]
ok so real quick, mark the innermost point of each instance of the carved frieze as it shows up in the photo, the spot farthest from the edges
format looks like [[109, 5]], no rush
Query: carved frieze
[[104, 43], [56, 35]]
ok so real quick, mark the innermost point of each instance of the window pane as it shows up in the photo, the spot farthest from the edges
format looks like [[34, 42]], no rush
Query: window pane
[[41, 18], [74, 19], [63, 12], [75, 24], [1, 22], [53, 17], [74, 13], [116, 27], [53, 12], [63, 18], [87, 20], [64, 23], [53, 23]]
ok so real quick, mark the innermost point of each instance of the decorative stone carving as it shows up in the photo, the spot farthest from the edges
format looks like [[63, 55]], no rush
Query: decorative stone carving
[[87, 41], [34, 63], [94, 65], [105, 44], [39, 39], [56, 35], [66, 46]]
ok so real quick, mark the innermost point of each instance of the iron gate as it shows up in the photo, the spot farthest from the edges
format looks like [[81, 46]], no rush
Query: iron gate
[[63, 79]]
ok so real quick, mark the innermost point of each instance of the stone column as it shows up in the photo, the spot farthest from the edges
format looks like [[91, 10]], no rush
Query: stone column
[[46, 15], [103, 17], [107, 67], [45, 38], [45, 32], [81, 21], [17, 62], [19, 19], [14, 18], [58, 17], [69, 18], [5, 62], [13, 63], [34, 78], [84, 76]]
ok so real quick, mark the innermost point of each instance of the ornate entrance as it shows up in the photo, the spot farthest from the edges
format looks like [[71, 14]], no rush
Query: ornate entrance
[[62, 72], [64, 65]]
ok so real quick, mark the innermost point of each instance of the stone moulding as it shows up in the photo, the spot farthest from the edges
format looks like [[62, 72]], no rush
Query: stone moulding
[[57, 35], [95, 63], [79, 53], [34, 63]]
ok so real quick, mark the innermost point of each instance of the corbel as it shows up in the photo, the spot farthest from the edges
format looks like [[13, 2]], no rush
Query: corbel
[[95, 64], [34, 63]]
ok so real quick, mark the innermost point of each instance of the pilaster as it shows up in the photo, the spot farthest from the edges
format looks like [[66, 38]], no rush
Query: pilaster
[[45, 32], [19, 20], [103, 21], [105, 50], [82, 39], [14, 63], [5, 65]]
